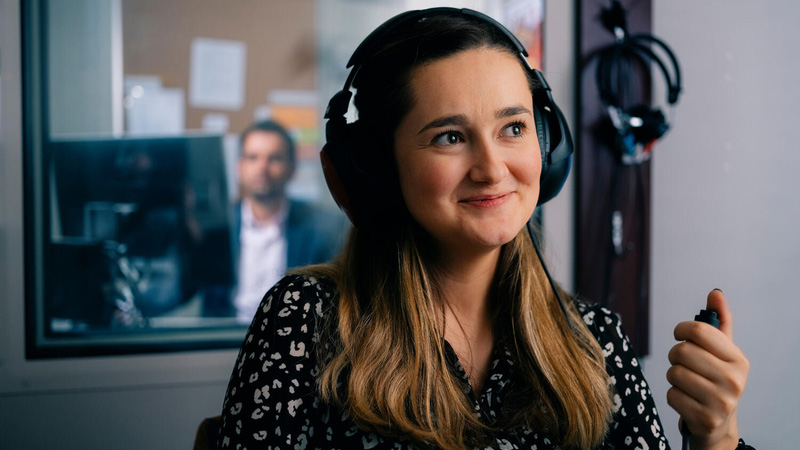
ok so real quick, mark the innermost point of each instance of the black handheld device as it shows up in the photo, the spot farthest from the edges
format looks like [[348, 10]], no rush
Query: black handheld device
[[711, 318]]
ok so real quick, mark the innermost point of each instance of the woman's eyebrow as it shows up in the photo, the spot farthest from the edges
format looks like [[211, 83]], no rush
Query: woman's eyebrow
[[458, 119], [512, 111]]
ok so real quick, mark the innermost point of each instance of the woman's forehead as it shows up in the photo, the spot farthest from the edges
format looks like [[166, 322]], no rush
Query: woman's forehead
[[472, 79]]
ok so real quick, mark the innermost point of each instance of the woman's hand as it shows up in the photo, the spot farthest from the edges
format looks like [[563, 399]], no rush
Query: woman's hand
[[708, 376]]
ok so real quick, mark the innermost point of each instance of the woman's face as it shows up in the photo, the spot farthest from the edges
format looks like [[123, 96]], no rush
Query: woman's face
[[467, 152]]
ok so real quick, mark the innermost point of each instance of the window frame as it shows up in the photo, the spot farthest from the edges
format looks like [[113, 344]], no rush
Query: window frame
[[37, 220]]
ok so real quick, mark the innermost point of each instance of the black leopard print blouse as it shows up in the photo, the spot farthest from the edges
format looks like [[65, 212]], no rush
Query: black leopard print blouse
[[271, 402]]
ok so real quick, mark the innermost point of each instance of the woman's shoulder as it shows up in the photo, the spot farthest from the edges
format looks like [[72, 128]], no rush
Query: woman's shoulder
[[592, 313], [298, 284], [289, 317], [298, 294], [601, 321], [606, 326]]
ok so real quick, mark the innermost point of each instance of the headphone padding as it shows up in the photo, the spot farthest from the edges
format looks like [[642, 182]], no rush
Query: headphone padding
[[555, 142]]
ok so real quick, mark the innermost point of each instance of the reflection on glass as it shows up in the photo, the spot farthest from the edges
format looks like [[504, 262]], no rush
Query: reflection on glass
[[144, 236], [138, 223], [271, 230], [136, 226]]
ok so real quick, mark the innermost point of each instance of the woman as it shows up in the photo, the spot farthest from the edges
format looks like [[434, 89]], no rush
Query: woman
[[438, 327]]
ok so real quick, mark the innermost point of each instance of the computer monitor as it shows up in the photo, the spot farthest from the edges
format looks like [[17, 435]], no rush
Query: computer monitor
[[143, 220]]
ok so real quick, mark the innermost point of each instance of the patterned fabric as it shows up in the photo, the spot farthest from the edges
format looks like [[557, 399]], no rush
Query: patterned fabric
[[271, 402]]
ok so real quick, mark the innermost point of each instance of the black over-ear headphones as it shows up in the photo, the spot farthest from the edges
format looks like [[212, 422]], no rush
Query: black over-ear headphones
[[639, 126], [361, 191]]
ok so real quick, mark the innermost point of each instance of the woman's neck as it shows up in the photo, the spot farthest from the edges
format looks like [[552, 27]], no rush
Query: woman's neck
[[466, 279], [467, 284]]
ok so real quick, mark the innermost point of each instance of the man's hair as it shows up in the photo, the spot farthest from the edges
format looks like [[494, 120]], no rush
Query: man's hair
[[270, 126]]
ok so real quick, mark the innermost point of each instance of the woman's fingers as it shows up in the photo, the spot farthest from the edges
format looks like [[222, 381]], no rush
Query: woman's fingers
[[715, 301], [722, 364], [708, 376]]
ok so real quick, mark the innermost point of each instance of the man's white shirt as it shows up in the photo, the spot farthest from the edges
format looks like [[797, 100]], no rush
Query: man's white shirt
[[262, 259]]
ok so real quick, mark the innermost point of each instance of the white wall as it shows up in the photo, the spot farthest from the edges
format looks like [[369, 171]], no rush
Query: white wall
[[726, 201], [559, 68]]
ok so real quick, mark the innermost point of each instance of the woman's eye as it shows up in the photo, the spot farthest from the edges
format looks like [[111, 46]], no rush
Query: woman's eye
[[447, 138], [514, 130]]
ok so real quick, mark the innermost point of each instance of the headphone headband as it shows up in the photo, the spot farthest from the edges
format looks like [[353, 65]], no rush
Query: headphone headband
[[640, 126], [370, 45], [631, 46]]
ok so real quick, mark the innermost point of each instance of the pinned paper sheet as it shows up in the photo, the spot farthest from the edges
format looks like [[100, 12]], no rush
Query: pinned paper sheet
[[217, 74], [216, 123], [151, 108]]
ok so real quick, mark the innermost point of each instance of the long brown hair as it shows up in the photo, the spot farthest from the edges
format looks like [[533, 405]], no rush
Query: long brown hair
[[383, 348]]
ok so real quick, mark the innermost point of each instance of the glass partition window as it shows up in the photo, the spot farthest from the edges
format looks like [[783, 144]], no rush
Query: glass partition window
[[150, 225], [134, 204]]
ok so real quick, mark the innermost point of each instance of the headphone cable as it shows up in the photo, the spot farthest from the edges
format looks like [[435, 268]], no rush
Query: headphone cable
[[550, 279]]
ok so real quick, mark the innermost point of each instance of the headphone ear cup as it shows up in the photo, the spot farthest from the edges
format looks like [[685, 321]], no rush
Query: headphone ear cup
[[334, 181], [625, 145], [543, 134], [336, 164], [555, 144], [359, 179], [653, 124]]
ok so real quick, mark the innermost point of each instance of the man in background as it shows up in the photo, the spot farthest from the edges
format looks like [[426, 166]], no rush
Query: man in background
[[271, 233]]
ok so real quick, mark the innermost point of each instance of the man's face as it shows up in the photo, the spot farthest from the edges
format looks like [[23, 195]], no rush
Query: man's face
[[264, 167]]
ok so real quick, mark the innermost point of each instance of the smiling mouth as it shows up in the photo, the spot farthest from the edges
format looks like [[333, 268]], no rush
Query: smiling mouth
[[486, 201]]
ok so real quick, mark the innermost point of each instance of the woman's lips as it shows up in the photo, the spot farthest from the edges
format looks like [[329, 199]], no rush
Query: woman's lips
[[487, 201]]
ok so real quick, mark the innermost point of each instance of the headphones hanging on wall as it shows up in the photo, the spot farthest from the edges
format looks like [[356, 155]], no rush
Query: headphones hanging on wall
[[361, 187], [640, 126]]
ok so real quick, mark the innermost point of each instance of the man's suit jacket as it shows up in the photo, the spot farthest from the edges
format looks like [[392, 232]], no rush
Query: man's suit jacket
[[313, 236]]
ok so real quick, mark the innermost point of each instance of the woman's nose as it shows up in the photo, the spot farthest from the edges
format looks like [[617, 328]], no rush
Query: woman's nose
[[488, 165]]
